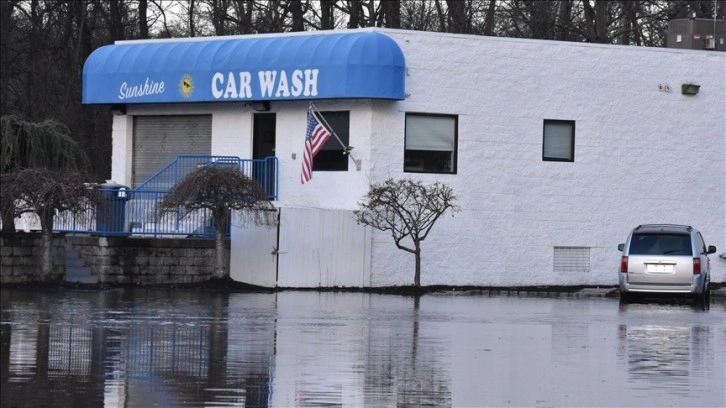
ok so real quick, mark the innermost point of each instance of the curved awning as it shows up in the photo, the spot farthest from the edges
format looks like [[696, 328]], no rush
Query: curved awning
[[362, 64]]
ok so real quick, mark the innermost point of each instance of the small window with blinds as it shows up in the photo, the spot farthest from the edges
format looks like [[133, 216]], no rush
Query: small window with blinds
[[430, 144], [558, 142], [572, 259]]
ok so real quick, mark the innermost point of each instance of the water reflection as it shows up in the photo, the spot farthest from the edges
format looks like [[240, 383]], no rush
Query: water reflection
[[165, 348], [674, 357]]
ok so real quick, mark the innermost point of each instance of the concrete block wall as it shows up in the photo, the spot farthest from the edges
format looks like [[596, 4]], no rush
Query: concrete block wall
[[123, 260], [147, 261], [642, 155], [20, 256]]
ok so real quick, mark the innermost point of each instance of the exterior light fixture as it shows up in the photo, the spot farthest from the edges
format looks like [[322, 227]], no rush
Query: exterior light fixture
[[118, 109], [260, 106], [690, 89]]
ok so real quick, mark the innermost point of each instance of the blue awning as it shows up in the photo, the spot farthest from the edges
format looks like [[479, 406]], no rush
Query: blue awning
[[359, 64]]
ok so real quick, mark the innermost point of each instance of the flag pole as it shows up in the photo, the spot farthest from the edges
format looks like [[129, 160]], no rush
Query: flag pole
[[346, 149]]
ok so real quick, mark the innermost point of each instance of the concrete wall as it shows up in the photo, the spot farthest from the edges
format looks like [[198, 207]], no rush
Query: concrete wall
[[644, 153], [20, 256], [141, 261], [147, 261]]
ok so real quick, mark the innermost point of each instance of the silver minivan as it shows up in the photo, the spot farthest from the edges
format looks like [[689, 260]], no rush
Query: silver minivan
[[665, 258]]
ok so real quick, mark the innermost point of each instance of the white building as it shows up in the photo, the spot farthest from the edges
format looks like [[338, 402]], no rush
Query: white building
[[555, 149]]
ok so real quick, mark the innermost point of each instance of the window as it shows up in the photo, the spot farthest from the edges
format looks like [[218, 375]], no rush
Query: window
[[559, 140], [660, 244], [701, 244], [331, 157], [430, 143]]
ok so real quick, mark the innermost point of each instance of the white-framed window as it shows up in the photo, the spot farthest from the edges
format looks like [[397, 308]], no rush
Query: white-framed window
[[558, 140], [430, 144]]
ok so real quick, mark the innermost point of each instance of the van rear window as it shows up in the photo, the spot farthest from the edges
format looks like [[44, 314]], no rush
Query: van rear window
[[660, 244]]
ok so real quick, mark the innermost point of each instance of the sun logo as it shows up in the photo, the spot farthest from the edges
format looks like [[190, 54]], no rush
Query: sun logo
[[186, 86]]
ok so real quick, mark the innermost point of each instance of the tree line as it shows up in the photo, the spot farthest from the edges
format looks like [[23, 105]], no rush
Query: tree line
[[44, 44]]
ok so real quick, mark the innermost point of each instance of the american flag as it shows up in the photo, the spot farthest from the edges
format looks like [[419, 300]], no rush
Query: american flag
[[315, 139]]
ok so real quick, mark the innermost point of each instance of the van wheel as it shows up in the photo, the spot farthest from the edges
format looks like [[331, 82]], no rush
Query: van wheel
[[626, 297], [705, 297]]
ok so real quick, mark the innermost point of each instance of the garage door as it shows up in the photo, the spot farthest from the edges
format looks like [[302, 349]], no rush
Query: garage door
[[159, 139]]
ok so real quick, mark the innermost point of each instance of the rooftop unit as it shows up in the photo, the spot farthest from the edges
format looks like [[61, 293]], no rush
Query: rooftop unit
[[697, 34]]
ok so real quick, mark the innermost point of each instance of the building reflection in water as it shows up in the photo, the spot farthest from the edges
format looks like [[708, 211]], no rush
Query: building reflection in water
[[144, 347], [139, 348]]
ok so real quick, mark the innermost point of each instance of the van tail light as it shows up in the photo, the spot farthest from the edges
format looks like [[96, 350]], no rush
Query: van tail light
[[624, 264], [696, 266]]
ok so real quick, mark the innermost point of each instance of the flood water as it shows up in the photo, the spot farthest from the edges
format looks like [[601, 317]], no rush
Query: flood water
[[174, 348]]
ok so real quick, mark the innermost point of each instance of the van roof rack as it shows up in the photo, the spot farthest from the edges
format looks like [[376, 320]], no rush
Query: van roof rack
[[656, 226]]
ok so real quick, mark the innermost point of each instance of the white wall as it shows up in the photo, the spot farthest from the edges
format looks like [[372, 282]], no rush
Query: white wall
[[330, 190], [641, 155]]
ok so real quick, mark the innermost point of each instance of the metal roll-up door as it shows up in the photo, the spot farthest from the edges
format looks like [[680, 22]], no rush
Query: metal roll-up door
[[159, 139]]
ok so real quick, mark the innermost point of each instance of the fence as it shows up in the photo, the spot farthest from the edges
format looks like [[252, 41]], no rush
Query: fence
[[136, 211]]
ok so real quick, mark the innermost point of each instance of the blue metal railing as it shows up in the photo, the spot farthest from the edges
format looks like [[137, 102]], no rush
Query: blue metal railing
[[264, 171], [136, 211]]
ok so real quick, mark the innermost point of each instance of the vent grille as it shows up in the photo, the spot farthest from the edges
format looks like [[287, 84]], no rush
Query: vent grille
[[572, 259]]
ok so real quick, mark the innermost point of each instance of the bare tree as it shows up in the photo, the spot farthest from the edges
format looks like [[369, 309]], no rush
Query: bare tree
[[47, 144], [143, 19], [489, 18], [221, 189], [47, 192], [219, 16], [596, 22], [355, 13], [115, 20], [457, 18], [564, 17], [390, 15], [419, 16], [192, 30], [327, 14], [408, 209], [296, 11], [43, 51], [7, 45]]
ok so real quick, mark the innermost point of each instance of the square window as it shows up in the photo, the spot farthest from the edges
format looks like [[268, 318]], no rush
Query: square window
[[430, 144], [558, 142], [331, 157]]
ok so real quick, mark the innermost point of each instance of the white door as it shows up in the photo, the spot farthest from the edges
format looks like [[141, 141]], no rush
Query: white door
[[253, 255], [322, 248]]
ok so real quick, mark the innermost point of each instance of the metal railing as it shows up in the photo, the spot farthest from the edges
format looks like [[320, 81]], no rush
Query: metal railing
[[264, 171], [136, 211]]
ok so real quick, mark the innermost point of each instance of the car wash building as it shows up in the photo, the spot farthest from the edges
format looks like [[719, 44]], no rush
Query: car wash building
[[556, 150]]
